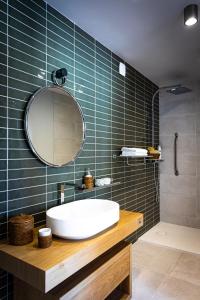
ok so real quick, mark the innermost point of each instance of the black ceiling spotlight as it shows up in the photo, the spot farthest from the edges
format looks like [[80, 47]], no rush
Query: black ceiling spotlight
[[191, 14], [59, 77]]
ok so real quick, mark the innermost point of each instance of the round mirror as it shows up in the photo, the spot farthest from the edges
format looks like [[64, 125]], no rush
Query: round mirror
[[54, 126]]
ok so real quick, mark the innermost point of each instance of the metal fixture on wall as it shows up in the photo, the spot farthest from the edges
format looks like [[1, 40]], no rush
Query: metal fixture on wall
[[172, 88], [59, 77], [191, 14], [177, 89], [176, 172]]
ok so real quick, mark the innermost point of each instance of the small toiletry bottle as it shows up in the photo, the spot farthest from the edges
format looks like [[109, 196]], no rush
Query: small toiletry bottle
[[88, 180]]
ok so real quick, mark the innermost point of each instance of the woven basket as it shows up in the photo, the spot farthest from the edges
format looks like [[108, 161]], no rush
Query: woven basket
[[20, 229]]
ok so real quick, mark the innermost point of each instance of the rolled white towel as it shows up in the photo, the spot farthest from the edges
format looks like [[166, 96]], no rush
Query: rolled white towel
[[135, 150], [133, 154]]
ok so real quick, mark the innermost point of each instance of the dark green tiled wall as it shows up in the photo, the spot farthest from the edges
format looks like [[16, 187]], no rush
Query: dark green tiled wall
[[35, 40]]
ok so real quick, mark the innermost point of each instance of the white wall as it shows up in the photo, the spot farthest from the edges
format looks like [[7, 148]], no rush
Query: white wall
[[180, 195]]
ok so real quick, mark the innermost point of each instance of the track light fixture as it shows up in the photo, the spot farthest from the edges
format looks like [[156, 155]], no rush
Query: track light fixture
[[191, 15]]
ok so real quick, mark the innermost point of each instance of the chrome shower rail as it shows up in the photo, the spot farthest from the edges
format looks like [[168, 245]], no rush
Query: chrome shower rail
[[176, 172]]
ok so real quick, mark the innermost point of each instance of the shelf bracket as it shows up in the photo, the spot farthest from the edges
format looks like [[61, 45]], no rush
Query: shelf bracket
[[134, 165]]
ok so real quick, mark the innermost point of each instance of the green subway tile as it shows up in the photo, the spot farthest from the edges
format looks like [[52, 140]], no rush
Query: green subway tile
[[25, 48], [4, 6], [103, 66], [85, 160], [3, 70], [65, 58], [3, 21], [103, 59], [81, 34], [101, 54], [87, 147], [83, 68], [82, 168], [102, 90], [60, 50], [103, 84], [103, 72], [25, 58], [31, 10], [82, 86], [100, 47], [20, 31], [90, 113], [14, 73], [102, 98], [87, 105], [63, 31], [31, 22], [41, 6], [58, 42], [20, 95], [28, 87], [3, 90], [104, 109], [3, 57], [85, 47], [3, 50], [85, 76], [80, 54], [3, 80], [24, 67], [58, 17], [3, 123]]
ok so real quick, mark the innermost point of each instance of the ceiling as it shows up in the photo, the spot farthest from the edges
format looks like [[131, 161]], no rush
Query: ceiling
[[148, 34]]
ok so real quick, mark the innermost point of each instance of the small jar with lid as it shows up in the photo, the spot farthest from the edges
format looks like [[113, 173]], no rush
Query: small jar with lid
[[20, 229]]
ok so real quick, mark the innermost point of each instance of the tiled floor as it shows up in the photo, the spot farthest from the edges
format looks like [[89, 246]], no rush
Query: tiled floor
[[161, 273], [174, 236]]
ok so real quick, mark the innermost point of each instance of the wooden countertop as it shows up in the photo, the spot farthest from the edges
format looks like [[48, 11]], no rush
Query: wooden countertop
[[46, 268]]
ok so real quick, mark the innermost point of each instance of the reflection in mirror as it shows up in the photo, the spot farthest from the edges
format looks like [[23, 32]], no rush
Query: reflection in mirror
[[54, 126]]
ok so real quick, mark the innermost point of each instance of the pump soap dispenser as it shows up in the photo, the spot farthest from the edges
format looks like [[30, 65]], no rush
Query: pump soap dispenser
[[88, 179]]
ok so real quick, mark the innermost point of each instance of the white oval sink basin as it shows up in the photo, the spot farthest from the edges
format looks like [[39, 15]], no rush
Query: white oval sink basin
[[83, 218]]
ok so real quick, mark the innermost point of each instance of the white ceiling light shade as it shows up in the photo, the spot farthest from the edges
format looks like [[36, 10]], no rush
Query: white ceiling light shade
[[191, 15]]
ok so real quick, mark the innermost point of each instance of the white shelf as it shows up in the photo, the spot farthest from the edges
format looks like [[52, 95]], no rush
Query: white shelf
[[146, 158]]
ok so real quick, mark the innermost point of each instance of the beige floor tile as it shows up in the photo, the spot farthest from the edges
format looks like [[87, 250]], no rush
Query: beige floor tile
[[146, 284], [155, 258], [161, 273], [176, 289], [188, 268]]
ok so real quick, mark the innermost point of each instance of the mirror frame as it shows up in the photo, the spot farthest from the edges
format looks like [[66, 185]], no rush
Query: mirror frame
[[26, 127]]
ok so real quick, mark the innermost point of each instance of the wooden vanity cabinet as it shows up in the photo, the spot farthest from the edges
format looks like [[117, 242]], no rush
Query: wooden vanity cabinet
[[95, 269], [110, 272]]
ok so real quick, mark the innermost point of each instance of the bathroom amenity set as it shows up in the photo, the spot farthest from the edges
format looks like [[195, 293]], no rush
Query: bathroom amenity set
[[89, 182], [140, 152]]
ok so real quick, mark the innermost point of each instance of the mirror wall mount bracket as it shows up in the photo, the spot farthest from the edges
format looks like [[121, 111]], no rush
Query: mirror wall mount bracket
[[59, 77]]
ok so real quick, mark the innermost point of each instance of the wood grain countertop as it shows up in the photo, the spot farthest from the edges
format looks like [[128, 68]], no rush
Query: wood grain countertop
[[46, 268]]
